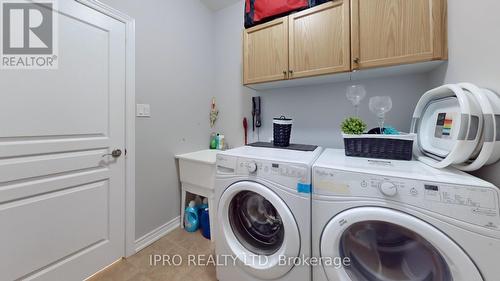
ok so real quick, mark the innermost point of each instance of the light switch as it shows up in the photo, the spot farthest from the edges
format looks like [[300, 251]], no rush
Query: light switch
[[143, 110]]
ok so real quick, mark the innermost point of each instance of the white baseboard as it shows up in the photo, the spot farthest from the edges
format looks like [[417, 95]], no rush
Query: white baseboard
[[156, 234]]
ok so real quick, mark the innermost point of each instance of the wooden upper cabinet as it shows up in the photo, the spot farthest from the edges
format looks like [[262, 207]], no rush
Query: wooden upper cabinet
[[319, 40], [391, 32], [265, 52], [344, 35]]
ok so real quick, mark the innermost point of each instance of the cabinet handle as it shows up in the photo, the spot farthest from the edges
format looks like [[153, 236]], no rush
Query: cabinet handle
[[284, 72], [356, 60], [291, 71]]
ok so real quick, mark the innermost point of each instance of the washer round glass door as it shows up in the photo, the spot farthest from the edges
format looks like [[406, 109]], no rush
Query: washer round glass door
[[258, 228], [386, 245], [256, 223]]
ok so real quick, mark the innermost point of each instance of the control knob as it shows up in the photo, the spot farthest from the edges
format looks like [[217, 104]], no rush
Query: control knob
[[252, 167], [389, 189]]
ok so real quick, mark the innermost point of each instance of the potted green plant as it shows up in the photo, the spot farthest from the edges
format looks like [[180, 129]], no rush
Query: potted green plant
[[353, 126]]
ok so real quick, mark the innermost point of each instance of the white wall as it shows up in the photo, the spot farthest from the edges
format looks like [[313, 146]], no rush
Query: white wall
[[234, 100], [174, 56], [474, 53], [318, 110]]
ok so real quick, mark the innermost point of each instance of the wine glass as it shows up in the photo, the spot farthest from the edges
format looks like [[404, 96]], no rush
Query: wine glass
[[356, 93], [380, 105]]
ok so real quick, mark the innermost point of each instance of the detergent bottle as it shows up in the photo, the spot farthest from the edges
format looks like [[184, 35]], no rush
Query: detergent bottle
[[201, 207], [191, 219], [198, 201], [205, 223]]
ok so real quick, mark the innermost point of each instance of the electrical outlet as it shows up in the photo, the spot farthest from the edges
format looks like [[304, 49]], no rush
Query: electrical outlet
[[143, 110]]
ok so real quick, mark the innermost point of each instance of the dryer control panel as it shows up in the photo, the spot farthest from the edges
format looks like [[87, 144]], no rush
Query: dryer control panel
[[473, 204]]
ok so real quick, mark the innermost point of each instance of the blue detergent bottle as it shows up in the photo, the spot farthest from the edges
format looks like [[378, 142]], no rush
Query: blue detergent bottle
[[205, 223], [191, 219], [202, 207]]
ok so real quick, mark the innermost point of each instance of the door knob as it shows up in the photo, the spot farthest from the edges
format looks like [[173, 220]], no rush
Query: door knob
[[115, 153]]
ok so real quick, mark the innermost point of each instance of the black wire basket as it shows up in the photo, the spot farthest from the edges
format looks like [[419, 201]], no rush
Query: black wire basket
[[282, 129], [393, 147]]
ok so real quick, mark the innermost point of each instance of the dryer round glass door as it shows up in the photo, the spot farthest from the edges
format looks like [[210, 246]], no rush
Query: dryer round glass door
[[381, 244], [259, 229], [382, 251]]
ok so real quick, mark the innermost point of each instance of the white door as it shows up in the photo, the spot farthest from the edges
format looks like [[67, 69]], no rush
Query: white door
[[387, 245], [61, 200], [259, 228]]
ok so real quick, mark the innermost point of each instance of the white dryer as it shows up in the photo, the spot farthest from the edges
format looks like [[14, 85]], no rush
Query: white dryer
[[263, 213], [402, 221]]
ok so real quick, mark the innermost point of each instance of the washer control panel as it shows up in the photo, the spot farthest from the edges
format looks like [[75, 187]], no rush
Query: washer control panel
[[274, 171], [294, 176], [473, 204]]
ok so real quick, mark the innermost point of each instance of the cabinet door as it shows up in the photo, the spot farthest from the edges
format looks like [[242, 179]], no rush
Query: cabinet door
[[265, 52], [320, 40], [391, 32]]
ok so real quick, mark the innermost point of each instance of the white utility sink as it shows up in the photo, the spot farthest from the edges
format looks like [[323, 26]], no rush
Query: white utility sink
[[198, 168], [197, 176]]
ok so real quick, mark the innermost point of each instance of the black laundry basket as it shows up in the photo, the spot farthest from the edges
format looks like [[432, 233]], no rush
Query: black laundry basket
[[282, 129], [393, 147]]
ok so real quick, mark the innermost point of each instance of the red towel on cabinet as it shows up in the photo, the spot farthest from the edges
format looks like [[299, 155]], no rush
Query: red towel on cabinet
[[258, 11]]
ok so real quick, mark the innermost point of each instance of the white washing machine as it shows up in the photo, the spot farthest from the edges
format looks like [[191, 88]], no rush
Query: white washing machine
[[263, 213], [402, 221]]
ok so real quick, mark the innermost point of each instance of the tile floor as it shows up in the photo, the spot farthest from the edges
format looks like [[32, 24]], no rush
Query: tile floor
[[178, 242]]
